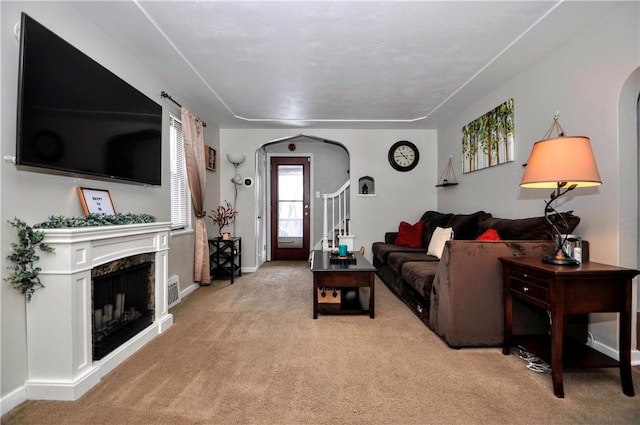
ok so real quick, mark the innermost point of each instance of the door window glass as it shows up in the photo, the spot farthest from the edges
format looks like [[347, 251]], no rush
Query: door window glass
[[290, 200]]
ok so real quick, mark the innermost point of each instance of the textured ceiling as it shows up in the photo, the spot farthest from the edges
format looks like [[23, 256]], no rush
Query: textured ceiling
[[351, 64]]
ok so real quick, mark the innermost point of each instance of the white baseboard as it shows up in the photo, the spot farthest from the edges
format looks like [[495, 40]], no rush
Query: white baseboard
[[614, 353], [604, 349], [165, 323], [189, 290], [12, 400], [62, 390], [195, 286]]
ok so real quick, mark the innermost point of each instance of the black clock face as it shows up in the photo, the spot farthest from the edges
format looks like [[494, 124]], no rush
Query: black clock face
[[403, 156]]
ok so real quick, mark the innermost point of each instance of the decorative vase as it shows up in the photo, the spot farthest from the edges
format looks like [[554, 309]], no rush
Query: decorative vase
[[226, 236]]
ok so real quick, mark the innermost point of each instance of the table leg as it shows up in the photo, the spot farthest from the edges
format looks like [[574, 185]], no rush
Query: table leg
[[233, 264], [508, 315], [625, 344], [315, 296], [372, 297], [557, 324]]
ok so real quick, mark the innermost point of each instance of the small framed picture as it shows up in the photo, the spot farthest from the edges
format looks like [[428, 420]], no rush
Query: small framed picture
[[96, 201], [210, 157]]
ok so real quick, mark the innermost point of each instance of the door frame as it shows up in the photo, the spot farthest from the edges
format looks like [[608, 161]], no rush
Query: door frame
[[268, 197], [261, 207]]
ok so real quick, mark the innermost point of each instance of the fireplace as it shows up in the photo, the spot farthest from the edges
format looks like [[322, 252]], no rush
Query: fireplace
[[122, 301], [119, 270]]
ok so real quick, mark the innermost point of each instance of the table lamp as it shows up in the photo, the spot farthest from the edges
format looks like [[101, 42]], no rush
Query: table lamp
[[563, 164]]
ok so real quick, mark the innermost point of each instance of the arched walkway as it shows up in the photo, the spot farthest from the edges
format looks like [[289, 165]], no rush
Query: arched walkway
[[629, 186], [330, 169]]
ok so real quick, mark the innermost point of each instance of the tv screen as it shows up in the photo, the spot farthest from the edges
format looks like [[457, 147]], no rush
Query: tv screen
[[76, 117]]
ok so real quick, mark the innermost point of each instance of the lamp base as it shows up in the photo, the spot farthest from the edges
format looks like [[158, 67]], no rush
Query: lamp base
[[560, 261]]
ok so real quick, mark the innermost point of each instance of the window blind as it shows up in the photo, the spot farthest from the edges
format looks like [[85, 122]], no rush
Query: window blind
[[180, 196]]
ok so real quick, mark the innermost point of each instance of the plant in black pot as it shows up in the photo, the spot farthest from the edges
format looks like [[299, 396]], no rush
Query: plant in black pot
[[223, 216]]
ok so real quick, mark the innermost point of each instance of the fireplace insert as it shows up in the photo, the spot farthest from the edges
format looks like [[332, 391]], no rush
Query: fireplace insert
[[123, 302]]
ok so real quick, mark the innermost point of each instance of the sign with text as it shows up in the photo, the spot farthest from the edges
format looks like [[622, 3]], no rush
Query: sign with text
[[96, 201]]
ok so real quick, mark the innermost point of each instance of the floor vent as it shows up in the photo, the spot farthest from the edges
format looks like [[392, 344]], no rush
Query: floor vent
[[173, 291]]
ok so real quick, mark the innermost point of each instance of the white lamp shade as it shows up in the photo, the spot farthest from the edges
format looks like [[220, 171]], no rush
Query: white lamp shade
[[564, 159], [235, 158]]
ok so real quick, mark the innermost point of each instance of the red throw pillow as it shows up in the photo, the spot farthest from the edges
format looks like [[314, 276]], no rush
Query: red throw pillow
[[489, 235], [410, 235]]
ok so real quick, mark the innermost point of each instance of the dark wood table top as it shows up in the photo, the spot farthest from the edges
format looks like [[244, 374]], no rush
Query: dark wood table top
[[321, 262], [587, 267]]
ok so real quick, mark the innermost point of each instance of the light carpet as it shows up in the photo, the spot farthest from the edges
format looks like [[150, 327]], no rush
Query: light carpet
[[250, 353]]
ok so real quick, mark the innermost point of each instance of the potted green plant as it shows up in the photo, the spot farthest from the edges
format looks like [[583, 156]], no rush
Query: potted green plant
[[223, 216], [24, 274]]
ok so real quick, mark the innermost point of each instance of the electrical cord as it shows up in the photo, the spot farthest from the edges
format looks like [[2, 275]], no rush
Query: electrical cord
[[534, 363]]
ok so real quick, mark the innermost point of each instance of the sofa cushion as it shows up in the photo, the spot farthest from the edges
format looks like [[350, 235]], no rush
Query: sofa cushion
[[431, 220], [489, 235], [390, 237], [440, 236], [409, 235], [396, 260], [419, 275], [466, 226], [535, 228], [382, 250]]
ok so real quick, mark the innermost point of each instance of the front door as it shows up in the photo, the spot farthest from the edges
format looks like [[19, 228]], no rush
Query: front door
[[290, 210]]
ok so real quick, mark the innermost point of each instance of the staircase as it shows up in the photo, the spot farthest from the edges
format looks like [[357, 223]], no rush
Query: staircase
[[335, 224]]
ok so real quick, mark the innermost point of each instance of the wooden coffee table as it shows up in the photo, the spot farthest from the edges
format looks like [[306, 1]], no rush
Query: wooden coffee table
[[355, 272]]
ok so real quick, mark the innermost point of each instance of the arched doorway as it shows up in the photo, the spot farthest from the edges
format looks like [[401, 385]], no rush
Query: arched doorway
[[329, 170], [629, 208]]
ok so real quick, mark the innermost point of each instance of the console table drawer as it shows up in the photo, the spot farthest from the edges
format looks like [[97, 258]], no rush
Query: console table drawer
[[529, 286], [340, 279]]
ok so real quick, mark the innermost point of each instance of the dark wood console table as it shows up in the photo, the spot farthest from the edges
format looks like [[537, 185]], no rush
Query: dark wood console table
[[563, 290]]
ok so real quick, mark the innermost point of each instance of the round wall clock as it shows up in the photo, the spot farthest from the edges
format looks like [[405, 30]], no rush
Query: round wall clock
[[403, 156]]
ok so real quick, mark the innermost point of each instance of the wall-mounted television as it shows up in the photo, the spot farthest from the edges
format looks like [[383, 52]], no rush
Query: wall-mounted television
[[75, 117]]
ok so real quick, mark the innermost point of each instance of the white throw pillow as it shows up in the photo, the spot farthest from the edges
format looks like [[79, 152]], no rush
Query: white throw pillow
[[438, 239]]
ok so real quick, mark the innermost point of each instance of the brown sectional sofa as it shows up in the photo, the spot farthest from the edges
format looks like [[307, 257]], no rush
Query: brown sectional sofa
[[459, 296]]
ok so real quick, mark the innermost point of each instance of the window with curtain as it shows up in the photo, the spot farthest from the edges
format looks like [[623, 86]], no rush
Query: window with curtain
[[180, 196]]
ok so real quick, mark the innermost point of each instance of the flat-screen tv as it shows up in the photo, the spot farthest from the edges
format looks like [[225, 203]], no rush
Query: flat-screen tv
[[75, 117]]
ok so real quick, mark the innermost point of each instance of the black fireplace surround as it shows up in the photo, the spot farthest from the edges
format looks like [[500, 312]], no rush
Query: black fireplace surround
[[122, 301]]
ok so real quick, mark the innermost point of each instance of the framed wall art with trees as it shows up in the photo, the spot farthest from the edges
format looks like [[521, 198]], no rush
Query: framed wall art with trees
[[489, 140]]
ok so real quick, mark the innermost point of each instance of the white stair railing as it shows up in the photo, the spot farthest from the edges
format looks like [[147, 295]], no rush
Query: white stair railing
[[335, 225]]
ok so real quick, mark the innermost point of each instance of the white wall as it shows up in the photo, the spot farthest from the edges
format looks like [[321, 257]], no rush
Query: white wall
[[583, 80], [399, 196], [33, 197]]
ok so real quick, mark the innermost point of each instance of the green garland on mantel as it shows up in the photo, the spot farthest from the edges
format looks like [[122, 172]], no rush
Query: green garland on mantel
[[24, 274], [94, 219]]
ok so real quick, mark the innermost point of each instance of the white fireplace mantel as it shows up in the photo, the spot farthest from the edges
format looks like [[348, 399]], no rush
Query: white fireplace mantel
[[59, 316]]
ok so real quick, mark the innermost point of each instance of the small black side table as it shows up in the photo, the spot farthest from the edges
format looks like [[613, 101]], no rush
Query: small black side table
[[225, 257]]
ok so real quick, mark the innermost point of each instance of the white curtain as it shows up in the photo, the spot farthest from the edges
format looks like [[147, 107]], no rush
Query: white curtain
[[193, 133]]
